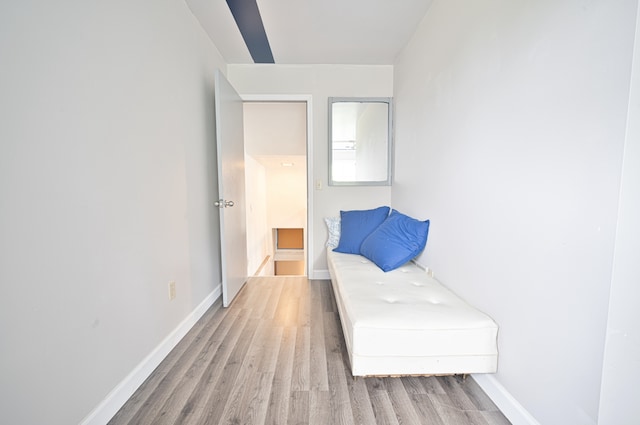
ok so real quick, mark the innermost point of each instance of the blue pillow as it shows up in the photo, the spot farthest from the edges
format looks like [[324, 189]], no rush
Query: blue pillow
[[356, 225], [399, 239]]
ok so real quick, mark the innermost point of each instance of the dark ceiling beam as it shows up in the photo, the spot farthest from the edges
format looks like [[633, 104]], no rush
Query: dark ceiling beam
[[249, 21]]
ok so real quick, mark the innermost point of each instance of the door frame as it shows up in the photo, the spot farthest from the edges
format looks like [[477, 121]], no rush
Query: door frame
[[307, 98]]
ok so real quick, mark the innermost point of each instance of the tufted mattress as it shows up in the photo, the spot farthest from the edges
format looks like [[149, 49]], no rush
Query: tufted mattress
[[404, 322]]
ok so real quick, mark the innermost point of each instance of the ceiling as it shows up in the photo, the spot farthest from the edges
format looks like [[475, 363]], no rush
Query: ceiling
[[370, 32]]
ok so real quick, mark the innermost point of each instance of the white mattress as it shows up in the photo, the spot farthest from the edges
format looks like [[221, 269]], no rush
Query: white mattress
[[404, 322]]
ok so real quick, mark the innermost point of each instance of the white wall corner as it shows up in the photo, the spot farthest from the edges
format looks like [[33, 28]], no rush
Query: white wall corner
[[108, 407], [507, 404]]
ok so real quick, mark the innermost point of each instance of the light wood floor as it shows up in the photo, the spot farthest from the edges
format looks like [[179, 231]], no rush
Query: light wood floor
[[277, 356]]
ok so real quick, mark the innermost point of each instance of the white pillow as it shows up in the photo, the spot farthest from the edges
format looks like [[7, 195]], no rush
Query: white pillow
[[333, 224]]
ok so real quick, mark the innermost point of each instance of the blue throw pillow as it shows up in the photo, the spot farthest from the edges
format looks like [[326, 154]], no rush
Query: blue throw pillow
[[399, 239], [356, 225]]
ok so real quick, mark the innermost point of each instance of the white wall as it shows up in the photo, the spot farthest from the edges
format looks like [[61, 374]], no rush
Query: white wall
[[258, 234], [287, 195], [286, 189], [510, 124], [621, 372], [275, 128], [106, 182], [321, 82]]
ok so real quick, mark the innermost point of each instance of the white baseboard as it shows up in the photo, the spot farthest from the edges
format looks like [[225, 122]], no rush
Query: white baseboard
[[507, 404], [125, 389], [320, 275]]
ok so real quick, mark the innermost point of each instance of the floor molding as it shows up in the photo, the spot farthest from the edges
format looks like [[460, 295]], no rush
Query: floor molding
[[320, 275], [507, 404], [104, 411]]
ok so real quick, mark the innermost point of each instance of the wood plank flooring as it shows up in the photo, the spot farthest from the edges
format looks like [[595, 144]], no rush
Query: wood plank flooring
[[276, 356]]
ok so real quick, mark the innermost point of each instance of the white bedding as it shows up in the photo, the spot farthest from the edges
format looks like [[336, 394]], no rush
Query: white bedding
[[404, 322]]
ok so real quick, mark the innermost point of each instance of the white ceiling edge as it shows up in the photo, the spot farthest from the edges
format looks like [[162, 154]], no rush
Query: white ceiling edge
[[217, 21], [358, 32]]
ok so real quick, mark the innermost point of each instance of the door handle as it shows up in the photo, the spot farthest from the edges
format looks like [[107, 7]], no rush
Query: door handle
[[221, 203]]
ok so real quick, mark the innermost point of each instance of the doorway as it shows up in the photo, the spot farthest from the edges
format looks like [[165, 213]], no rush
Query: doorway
[[276, 138]]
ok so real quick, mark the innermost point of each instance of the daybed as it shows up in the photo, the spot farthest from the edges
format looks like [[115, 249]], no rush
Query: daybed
[[404, 322]]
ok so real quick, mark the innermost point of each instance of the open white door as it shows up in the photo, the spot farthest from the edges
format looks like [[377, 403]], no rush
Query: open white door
[[231, 189]]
